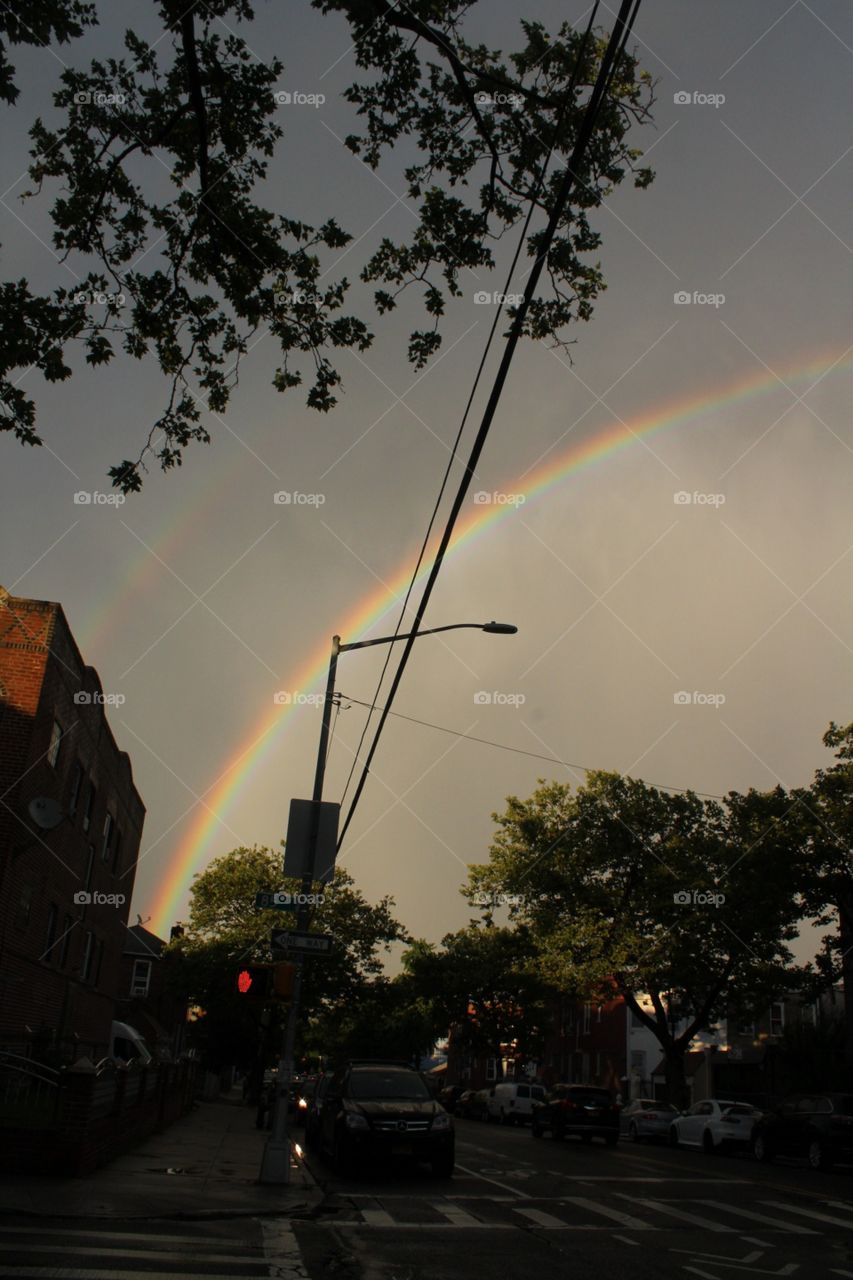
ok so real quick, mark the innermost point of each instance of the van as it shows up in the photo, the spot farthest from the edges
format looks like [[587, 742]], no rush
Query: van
[[128, 1045], [512, 1103]]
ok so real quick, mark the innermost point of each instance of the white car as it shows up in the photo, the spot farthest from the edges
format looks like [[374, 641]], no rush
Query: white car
[[713, 1124]]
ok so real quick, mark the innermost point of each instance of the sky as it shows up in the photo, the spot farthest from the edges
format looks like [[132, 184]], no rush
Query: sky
[[668, 514]]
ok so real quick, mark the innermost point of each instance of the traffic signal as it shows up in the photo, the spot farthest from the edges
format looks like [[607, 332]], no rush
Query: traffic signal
[[283, 975], [253, 981]]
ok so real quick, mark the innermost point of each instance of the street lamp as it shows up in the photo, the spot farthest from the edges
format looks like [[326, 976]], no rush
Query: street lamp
[[275, 1166]]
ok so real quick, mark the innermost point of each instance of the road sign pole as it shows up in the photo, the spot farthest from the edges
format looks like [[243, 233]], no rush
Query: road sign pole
[[275, 1166]]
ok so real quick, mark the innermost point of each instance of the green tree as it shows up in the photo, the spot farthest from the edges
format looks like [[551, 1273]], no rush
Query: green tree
[[480, 985], [154, 158], [226, 931], [826, 812], [620, 884]]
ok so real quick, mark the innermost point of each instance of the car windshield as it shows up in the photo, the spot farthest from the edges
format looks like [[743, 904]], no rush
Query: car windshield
[[408, 1085]]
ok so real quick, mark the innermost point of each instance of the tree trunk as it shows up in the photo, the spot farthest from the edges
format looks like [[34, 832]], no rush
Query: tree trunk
[[677, 1091]]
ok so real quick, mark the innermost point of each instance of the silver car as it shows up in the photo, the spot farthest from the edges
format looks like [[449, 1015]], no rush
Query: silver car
[[713, 1124], [647, 1118]]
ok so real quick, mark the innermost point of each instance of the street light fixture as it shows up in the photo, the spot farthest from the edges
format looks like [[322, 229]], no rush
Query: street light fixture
[[275, 1166]]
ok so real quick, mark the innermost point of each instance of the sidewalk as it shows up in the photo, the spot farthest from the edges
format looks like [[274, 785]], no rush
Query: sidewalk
[[204, 1165]]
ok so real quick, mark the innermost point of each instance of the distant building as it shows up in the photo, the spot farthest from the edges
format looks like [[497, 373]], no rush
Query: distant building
[[144, 999], [70, 827]]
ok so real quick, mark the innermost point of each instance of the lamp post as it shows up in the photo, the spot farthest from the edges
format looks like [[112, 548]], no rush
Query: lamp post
[[275, 1165]]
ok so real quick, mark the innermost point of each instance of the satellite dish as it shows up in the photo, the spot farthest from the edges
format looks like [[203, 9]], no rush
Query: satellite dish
[[45, 812]]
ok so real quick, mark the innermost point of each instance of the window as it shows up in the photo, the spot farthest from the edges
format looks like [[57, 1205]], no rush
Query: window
[[67, 926], [90, 862], [50, 935], [140, 979], [116, 851], [587, 1018], [99, 955], [746, 1027], [55, 743], [491, 1068], [777, 1018], [76, 784], [598, 1014], [90, 805], [88, 950], [25, 906], [108, 831]]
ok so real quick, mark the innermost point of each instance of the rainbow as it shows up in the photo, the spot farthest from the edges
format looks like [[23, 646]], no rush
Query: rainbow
[[259, 742]]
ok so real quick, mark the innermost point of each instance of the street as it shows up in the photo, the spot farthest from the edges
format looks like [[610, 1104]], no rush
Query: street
[[515, 1207]]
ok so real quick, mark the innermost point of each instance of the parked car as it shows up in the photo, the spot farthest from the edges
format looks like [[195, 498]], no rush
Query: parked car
[[464, 1104], [128, 1045], [511, 1103], [582, 1110], [646, 1118], [714, 1123], [373, 1112], [314, 1109], [478, 1107], [818, 1127]]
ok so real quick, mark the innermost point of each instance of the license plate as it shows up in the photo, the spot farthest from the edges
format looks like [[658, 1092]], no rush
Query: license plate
[[401, 1148]]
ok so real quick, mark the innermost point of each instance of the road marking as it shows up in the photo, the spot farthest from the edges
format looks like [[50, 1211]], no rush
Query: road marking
[[456, 1214], [377, 1217], [76, 1273], [625, 1240], [760, 1217], [522, 1195], [810, 1213], [592, 1206], [284, 1257], [546, 1219], [695, 1218]]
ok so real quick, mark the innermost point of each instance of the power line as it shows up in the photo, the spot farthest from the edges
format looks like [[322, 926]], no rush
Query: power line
[[615, 47], [520, 751], [522, 240]]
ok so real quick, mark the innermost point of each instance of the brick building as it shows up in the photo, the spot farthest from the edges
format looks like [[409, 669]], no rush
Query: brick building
[[145, 1002], [70, 826]]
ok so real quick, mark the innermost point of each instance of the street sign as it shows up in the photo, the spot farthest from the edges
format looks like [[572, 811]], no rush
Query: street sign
[[300, 859], [309, 944], [278, 901]]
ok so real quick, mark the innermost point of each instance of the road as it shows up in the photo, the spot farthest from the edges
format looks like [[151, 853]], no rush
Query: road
[[515, 1209]]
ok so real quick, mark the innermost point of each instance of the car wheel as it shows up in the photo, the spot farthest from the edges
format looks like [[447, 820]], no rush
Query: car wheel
[[442, 1166], [557, 1133], [633, 1136], [503, 1118], [673, 1136], [708, 1143], [586, 1137], [819, 1157], [761, 1149], [535, 1130]]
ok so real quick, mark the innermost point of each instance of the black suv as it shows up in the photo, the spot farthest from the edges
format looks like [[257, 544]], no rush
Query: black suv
[[818, 1126], [580, 1109], [370, 1111]]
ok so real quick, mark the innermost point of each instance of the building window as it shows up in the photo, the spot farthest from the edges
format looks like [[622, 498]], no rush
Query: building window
[[90, 863], [587, 1018], [50, 935], [25, 906], [75, 788], [90, 805], [116, 850], [65, 940], [55, 743], [108, 831], [99, 955], [746, 1027], [140, 979], [777, 1018], [491, 1068], [88, 951]]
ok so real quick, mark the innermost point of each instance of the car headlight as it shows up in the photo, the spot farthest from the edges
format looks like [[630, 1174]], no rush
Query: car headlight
[[356, 1121], [442, 1121]]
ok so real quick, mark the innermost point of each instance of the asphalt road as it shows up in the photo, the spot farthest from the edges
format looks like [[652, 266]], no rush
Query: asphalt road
[[516, 1209]]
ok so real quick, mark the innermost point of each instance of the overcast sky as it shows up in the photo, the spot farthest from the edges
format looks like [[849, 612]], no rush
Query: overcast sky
[[201, 598]]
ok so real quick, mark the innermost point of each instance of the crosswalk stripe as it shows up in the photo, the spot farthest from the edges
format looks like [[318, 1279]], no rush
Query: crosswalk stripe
[[547, 1220], [696, 1219], [114, 1273], [810, 1213], [130, 1237], [127, 1255], [377, 1217], [457, 1215], [592, 1206], [759, 1217]]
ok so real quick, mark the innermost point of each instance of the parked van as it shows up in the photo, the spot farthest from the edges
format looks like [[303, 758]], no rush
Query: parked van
[[128, 1045], [512, 1103]]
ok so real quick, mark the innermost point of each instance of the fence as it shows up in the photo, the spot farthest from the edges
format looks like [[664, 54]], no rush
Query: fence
[[71, 1121]]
